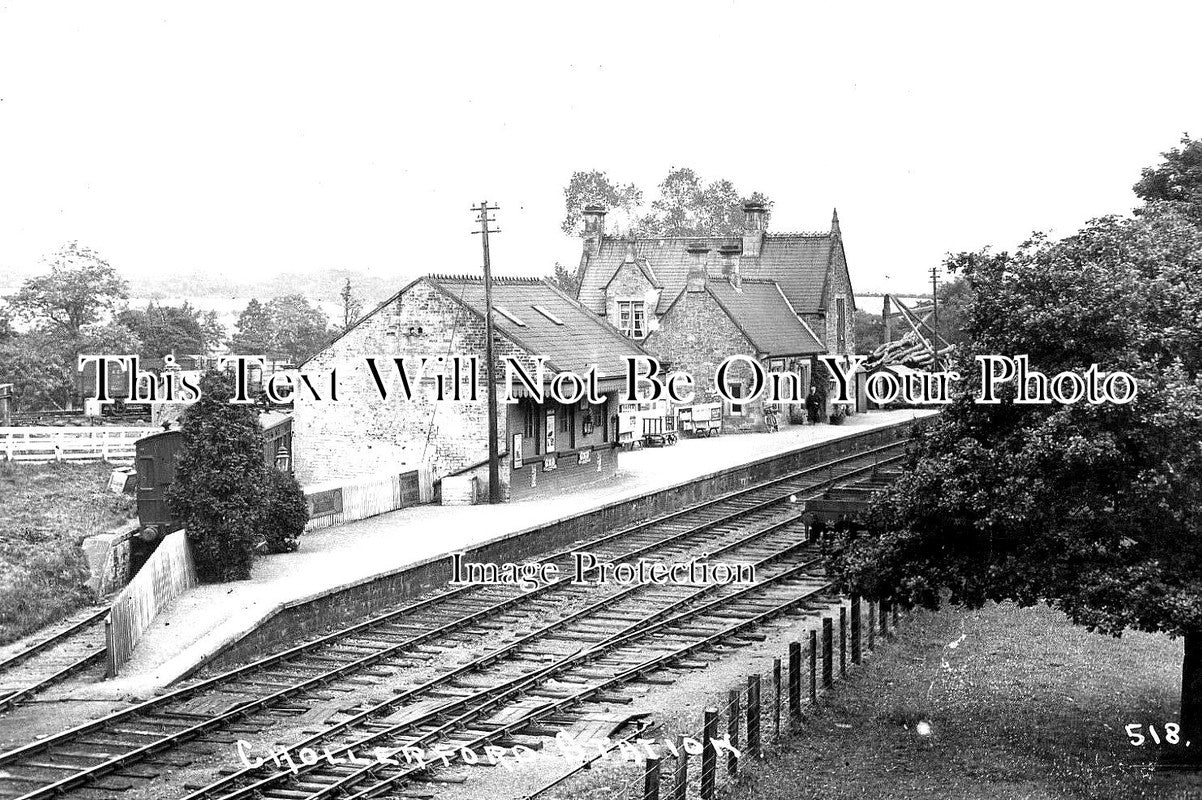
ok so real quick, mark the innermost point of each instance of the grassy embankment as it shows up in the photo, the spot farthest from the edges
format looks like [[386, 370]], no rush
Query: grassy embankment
[[45, 511], [1025, 705]]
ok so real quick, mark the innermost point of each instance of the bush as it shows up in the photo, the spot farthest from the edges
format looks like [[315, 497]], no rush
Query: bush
[[285, 515], [838, 414], [220, 487]]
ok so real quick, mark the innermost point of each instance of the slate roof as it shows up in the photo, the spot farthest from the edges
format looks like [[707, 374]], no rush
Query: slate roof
[[796, 261], [766, 318], [582, 340]]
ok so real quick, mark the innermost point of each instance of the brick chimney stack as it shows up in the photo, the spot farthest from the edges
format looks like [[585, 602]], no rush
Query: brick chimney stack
[[695, 282], [753, 228], [594, 229], [730, 258]]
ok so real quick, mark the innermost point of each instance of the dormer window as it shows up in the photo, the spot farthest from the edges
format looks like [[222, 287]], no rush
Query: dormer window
[[632, 318]]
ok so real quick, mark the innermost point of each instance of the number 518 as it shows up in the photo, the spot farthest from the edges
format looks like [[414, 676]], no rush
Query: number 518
[[1172, 734]]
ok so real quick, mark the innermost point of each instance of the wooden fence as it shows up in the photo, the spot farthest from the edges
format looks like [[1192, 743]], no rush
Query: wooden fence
[[42, 444], [337, 502], [168, 573]]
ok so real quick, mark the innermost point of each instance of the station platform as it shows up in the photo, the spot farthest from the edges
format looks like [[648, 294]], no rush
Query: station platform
[[208, 619]]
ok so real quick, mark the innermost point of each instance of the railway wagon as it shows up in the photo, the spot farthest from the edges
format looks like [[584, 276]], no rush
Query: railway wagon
[[155, 461]]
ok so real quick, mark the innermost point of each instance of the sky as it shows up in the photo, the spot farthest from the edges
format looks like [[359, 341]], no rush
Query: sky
[[248, 139]]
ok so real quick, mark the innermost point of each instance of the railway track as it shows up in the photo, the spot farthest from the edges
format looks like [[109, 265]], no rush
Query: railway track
[[52, 659], [151, 735]]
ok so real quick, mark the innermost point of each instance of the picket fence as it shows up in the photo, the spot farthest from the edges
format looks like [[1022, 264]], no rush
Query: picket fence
[[39, 445], [167, 574]]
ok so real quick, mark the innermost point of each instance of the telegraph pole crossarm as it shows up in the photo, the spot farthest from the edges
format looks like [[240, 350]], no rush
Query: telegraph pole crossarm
[[494, 466]]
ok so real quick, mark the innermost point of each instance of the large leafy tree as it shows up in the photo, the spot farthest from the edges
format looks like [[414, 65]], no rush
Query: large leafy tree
[[254, 333], [287, 327], [1094, 509], [221, 483], [1177, 180], [685, 205], [299, 328], [179, 329], [80, 289], [69, 310], [595, 188]]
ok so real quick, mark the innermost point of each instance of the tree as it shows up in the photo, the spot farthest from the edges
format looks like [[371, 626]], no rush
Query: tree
[[299, 328], [38, 372], [1177, 180], [285, 515], [254, 335], [595, 188], [352, 306], [212, 331], [685, 206], [79, 293], [566, 279], [870, 331], [168, 329], [1094, 509], [220, 487], [80, 289], [954, 297]]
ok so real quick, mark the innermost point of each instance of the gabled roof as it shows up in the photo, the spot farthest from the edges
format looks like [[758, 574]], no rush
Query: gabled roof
[[530, 311], [796, 261], [765, 316]]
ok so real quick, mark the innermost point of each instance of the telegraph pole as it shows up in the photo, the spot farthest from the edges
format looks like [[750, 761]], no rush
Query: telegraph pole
[[935, 317], [494, 466]]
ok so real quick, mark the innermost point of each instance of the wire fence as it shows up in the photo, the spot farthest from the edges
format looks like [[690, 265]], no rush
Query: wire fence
[[748, 722]]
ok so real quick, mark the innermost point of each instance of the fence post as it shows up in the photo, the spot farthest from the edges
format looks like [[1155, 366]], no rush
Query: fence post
[[680, 776], [776, 697], [794, 680], [828, 646], [813, 666], [895, 614], [651, 779], [732, 731], [753, 715], [871, 624], [885, 619], [857, 654], [709, 756], [842, 643], [110, 656]]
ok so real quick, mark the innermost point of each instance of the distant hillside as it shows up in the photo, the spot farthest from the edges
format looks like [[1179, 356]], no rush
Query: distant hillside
[[325, 285], [315, 285]]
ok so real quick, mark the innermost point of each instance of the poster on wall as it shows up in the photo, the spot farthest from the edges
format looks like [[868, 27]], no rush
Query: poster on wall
[[550, 441], [515, 450]]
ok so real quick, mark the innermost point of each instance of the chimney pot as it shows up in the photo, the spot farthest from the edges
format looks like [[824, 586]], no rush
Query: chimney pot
[[753, 228]]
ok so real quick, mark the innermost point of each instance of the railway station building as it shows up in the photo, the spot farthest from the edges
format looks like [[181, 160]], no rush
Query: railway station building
[[711, 320], [633, 281], [545, 445]]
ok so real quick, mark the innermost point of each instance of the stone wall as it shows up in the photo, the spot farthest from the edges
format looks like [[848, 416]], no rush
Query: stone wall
[[362, 433], [696, 335], [840, 287]]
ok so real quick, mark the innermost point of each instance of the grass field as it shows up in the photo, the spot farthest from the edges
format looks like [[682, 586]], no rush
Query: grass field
[[1023, 705], [45, 511]]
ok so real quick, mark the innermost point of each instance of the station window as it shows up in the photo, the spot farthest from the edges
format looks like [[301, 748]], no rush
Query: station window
[[632, 318]]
